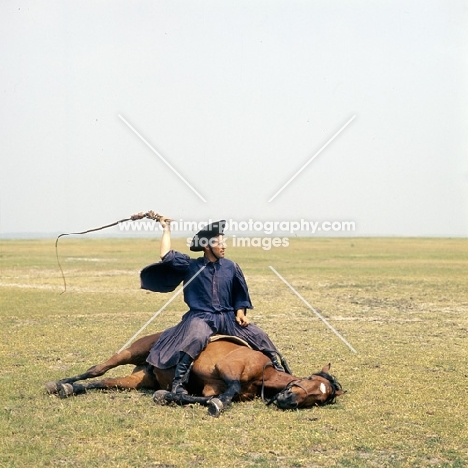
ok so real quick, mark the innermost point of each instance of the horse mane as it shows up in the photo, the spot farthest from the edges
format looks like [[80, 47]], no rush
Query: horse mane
[[335, 385]]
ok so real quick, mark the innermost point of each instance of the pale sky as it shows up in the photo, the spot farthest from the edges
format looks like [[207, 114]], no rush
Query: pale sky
[[236, 96]]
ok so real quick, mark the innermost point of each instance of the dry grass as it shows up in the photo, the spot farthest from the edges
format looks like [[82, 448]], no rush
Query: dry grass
[[402, 303]]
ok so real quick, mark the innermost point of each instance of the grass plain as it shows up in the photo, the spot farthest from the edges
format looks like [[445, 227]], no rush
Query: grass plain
[[401, 303]]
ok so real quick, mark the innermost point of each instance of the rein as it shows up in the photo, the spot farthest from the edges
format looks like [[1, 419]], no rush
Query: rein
[[149, 215], [267, 364], [288, 386], [293, 383]]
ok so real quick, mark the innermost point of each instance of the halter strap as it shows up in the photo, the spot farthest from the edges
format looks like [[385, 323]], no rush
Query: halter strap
[[295, 383]]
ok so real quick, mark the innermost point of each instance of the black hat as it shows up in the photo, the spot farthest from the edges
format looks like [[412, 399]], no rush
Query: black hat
[[201, 238]]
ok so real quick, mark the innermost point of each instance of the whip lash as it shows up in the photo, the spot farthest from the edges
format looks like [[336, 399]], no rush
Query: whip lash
[[149, 214]]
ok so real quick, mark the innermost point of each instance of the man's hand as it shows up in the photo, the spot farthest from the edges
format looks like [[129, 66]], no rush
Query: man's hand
[[241, 318], [165, 222]]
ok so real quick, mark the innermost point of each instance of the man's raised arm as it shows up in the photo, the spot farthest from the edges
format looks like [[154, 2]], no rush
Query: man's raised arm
[[166, 237]]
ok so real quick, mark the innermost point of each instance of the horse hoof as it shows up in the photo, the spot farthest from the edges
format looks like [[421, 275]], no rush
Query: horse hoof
[[52, 388], [159, 397], [65, 390], [215, 407]]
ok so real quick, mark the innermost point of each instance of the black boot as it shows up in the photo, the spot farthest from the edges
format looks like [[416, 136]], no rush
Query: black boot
[[182, 374], [285, 365], [281, 367]]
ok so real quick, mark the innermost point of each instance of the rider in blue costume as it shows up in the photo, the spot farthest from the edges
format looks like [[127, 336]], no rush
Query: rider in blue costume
[[218, 298]]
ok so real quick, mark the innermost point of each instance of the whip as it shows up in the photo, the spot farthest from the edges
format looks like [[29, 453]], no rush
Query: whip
[[148, 214]]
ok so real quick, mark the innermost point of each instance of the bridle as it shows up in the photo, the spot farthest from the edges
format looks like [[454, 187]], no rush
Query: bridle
[[334, 384], [293, 383], [297, 383]]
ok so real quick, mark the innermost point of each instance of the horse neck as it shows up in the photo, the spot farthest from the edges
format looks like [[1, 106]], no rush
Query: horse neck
[[276, 380]]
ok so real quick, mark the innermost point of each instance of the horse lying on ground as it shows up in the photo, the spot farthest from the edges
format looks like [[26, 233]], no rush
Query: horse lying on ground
[[224, 371]]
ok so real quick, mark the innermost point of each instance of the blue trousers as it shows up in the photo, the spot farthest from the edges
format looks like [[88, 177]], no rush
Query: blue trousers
[[193, 333]]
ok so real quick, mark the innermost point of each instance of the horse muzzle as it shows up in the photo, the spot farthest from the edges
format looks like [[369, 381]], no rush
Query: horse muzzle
[[286, 400]]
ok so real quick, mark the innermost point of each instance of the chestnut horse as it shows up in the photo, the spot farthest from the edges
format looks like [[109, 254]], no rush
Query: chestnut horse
[[224, 371]]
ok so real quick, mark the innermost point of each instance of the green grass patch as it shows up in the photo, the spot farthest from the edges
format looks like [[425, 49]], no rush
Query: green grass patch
[[401, 303]]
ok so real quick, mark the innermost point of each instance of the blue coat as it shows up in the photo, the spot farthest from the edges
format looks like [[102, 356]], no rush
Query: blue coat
[[213, 291]]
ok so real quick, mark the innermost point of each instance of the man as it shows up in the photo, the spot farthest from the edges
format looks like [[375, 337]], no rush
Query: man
[[217, 295]]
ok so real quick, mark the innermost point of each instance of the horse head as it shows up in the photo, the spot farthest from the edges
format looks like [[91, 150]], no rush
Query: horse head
[[317, 390]]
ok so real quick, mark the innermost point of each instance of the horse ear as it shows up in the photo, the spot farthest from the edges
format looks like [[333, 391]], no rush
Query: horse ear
[[340, 392], [326, 368]]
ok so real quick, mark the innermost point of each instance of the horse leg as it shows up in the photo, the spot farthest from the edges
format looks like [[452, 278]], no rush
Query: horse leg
[[229, 371], [237, 371], [142, 377], [163, 397], [216, 405], [136, 354], [118, 359]]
